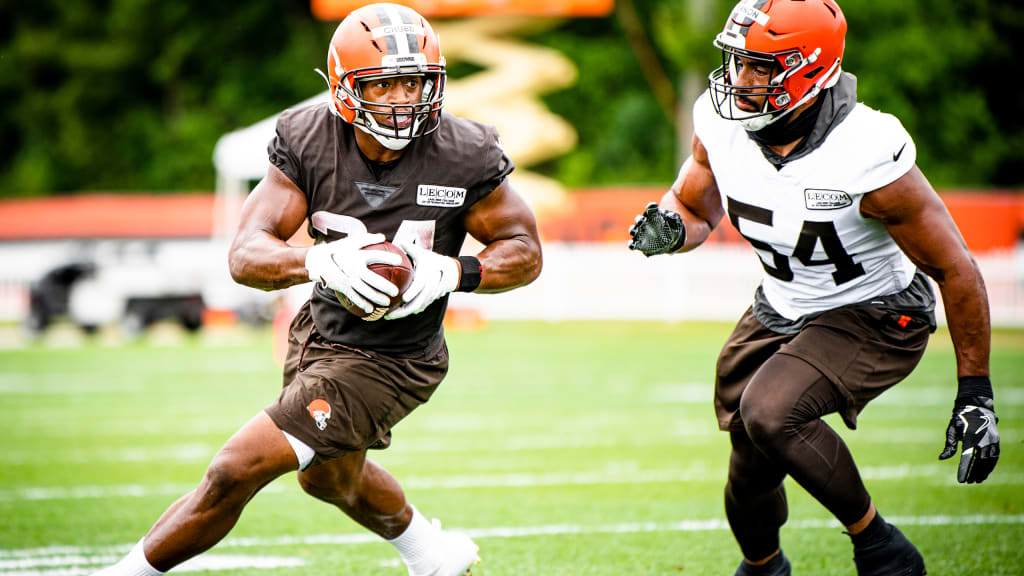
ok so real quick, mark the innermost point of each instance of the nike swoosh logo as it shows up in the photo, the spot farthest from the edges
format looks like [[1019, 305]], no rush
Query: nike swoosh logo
[[988, 422], [896, 155]]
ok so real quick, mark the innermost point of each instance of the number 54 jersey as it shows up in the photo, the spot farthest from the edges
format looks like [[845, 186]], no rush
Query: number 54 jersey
[[803, 218]]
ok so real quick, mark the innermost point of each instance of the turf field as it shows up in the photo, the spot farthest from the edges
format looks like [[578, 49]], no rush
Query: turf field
[[566, 449]]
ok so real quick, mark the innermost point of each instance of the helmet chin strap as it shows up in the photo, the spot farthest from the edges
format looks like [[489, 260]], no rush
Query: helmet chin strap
[[828, 80], [793, 129], [395, 144], [367, 123], [759, 122]]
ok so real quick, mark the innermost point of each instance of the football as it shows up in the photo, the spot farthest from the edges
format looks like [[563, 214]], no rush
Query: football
[[400, 275]]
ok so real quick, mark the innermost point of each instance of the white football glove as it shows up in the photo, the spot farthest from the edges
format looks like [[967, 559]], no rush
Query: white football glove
[[433, 276], [342, 266]]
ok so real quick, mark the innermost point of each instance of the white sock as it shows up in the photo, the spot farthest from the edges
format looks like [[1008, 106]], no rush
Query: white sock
[[417, 546], [134, 564]]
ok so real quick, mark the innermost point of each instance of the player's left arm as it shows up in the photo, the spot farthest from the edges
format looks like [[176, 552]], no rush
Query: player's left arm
[[511, 257], [506, 226], [918, 221]]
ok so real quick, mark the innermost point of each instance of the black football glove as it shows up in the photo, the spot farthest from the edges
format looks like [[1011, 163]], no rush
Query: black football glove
[[657, 231], [974, 423]]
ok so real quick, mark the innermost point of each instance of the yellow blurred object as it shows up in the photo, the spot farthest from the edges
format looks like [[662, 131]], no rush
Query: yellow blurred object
[[338, 9]]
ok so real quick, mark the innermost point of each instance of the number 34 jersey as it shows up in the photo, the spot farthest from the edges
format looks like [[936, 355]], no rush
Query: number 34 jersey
[[803, 219], [422, 197]]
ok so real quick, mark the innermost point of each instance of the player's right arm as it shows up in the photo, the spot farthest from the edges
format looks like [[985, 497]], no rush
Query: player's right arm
[[687, 213], [260, 255], [694, 196]]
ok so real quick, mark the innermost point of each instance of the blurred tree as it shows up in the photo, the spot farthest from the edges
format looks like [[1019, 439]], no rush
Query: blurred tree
[[133, 94], [624, 135], [938, 72], [942, 70]]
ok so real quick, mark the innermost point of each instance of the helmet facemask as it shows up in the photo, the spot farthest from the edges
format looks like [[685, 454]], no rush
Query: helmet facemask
[[779, 99], [421, 117]]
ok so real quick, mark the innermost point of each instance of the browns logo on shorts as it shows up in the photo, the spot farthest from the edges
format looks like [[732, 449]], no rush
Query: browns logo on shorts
[[339, 399]]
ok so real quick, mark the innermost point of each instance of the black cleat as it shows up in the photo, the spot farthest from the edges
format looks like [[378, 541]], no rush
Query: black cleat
[[777, 566], [894, 556]]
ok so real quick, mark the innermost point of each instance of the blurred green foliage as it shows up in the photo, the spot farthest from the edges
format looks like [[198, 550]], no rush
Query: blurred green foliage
[[943, 69], [133, 94]]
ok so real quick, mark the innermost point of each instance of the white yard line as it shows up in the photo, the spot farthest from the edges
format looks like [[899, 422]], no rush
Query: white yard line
[[63, 564], [620, 473], [77, 560], [191, 452], [703, 393], [100, 492]]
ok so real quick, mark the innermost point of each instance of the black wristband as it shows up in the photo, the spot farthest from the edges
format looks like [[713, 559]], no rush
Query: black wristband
[[472, 273], [973, 387]]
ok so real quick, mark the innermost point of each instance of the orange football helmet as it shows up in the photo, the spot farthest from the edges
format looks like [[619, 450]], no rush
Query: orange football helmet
[[378, 41], [801, 41]]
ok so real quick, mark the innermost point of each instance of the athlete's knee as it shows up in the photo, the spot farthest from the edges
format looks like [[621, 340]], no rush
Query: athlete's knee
[[229, 480], [764, 419]]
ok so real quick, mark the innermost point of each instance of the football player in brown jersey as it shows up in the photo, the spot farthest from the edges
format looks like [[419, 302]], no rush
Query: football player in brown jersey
[[380, 160]]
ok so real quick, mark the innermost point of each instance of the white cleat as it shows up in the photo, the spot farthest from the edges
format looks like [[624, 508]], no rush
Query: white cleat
[[458, 554]]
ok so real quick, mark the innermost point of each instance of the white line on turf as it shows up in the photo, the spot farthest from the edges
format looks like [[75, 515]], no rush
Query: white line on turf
[[703, 393], [190, 452], [111, 491], [63, 564], [75, 556], [937, 474], [410, 449]]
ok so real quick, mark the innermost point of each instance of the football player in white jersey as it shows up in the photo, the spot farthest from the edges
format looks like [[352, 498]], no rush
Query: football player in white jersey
[[827, 192]]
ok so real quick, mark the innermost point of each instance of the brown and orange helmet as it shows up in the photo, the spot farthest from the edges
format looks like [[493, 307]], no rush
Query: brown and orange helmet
[[801, 40], [379, 41]]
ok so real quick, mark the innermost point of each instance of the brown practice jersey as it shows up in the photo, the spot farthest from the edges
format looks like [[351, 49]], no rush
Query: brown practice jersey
[[422, 197]]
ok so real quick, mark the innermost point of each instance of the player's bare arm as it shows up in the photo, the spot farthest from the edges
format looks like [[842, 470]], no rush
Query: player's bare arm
[[918, 221], [504, 224], [694, 195], [260, 256]]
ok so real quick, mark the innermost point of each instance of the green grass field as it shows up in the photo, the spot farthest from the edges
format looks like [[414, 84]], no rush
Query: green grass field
[[569, 449]]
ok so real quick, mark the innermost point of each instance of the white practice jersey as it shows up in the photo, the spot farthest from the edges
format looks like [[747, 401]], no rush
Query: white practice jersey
[[804, 219]]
